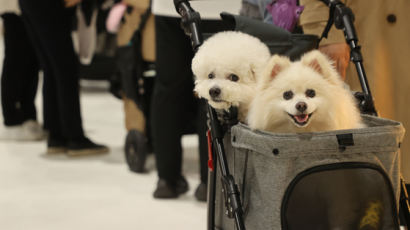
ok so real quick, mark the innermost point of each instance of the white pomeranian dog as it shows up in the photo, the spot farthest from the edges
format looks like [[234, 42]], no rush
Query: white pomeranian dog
[[303, 96], [226, 68]]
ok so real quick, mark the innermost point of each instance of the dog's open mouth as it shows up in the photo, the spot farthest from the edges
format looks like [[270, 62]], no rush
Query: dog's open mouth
[[301, 119]]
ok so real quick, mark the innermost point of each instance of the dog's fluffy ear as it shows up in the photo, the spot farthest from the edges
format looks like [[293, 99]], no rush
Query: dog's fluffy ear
[[275, 65], [322, 65]]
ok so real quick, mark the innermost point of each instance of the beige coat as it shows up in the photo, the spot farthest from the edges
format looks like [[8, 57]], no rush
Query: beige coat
[[384, 33], [9, 6]]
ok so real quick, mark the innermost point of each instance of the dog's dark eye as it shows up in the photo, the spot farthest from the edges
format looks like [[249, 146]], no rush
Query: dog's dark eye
[[310, 93], [288, 95], [233, 77], [211, 76]]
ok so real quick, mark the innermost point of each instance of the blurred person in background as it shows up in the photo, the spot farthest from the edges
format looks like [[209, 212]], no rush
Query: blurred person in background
[[174, 104], [19, 79], [384, 35], [49, 26]]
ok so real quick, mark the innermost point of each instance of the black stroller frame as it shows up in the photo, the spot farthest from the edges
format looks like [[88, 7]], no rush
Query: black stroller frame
[[339, 15]]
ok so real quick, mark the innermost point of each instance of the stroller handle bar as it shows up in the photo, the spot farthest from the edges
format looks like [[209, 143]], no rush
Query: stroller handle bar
[[190, 20], [343, 18]]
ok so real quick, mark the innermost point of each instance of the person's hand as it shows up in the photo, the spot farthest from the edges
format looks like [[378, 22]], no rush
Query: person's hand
[[71, 3], [340, 54]]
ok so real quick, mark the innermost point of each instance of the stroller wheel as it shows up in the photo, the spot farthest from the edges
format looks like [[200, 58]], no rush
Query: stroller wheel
[[136, 151]]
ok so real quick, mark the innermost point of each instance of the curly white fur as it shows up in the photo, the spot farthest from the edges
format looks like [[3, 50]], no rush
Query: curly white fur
[[222, 55], [330, 107]]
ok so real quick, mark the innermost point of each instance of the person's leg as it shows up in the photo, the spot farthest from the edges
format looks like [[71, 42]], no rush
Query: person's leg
[[172, 89], [19, 83], [13, 70], [50, 25], [31, 69], [51, 115]]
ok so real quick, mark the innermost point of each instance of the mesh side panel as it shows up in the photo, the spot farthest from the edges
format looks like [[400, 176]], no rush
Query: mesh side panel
[[340, 197]]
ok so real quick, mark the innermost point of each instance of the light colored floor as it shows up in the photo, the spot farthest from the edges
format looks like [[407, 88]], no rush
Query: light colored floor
[[56, 193], [39, 192]]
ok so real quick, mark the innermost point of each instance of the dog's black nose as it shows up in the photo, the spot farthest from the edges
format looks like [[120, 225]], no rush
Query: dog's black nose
[[301, 106], [214, 92]]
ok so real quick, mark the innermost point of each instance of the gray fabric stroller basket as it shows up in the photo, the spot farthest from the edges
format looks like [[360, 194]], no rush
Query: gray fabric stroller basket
[[341, 180], [345, 179]]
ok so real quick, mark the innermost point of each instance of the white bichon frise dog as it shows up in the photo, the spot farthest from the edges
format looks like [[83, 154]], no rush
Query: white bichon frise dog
[[226, 67], [303, 96]]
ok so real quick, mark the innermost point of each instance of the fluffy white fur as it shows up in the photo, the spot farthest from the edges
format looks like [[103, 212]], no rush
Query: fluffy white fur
[[220, 57], [330, 107]]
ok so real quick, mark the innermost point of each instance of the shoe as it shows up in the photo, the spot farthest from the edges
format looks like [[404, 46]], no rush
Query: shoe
[[201, 192], [85, 147], [56, 146], [166, 190], [30, 130], [182, 185]]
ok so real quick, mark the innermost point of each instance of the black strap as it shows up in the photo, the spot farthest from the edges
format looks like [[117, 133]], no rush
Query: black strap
[[330, 21], [143, 22]]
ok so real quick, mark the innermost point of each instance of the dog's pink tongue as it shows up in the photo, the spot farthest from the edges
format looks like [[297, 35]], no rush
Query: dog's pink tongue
[[301, 118]]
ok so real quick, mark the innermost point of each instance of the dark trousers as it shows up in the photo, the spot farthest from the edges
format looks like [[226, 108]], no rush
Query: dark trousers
[[49, 26], [20, 73], [173, 103]]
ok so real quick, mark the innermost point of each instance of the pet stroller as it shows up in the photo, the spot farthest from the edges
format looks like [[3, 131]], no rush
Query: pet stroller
[[343, 179], [137, 72], [137, 78]]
